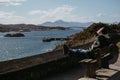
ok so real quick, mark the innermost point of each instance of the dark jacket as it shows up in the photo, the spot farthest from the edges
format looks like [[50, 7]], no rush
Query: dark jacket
[[101, 41]]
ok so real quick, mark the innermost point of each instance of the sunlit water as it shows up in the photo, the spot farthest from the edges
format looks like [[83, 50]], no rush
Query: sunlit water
[[31, 44]]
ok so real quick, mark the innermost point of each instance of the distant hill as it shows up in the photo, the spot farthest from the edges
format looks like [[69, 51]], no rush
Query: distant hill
[[66, 24], [26, 27]]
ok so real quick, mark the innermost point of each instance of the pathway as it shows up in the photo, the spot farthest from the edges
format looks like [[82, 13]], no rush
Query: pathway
[[77, 72]]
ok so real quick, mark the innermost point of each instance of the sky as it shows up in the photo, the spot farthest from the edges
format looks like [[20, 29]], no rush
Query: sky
[[40, 11]]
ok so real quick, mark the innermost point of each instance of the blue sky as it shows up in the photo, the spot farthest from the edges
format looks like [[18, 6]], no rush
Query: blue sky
[[39, 11]]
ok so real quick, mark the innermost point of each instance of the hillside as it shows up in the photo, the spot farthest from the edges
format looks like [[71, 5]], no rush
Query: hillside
[[26, 27], [88, 34]]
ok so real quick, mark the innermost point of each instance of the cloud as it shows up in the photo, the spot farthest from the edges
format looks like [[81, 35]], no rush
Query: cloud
[[53, 14], [101, 15], [64, 13], [104, 17], [11, 2], [7, 15], [58, 10], [84, 19], [10, 17], [59, 13]]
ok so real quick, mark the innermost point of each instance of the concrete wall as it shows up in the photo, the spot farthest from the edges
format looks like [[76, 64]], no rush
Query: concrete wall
[[36, 67]]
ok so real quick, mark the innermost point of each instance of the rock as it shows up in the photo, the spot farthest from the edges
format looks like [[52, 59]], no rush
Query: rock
[[54, 39], [15, 35]]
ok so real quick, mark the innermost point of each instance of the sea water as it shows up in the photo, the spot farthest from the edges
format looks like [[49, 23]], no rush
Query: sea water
[[31, 44]]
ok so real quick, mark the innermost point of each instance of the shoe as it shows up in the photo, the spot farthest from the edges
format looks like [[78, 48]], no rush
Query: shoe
[[65, 49]]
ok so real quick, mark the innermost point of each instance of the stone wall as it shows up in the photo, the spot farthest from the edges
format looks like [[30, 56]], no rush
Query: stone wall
[[36, 67]]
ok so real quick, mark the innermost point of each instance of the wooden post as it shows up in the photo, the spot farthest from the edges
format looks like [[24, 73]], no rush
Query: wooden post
[[98, 57], [89, 65], [105, 61]]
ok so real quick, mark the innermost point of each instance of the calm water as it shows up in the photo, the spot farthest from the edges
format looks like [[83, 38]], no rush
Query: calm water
[[31, 44]]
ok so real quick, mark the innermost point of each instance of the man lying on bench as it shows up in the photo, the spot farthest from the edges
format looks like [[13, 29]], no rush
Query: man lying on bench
[[102, 40]]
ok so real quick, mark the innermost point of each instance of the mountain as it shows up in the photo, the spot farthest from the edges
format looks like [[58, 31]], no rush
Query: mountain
[[66, 24]]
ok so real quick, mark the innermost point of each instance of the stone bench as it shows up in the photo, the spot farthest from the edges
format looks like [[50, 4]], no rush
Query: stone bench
[[103, 55]]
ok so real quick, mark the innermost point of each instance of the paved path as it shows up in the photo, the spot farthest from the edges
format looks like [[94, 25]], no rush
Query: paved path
[[77, 72], [73, 74]]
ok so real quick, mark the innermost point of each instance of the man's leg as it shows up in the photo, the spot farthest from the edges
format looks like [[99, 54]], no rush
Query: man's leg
[[75, 52]]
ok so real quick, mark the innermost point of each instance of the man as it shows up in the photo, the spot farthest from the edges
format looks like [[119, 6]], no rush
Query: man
[[102, 40]]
